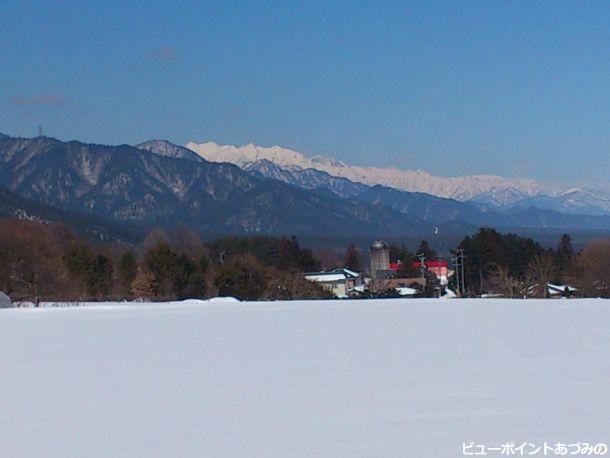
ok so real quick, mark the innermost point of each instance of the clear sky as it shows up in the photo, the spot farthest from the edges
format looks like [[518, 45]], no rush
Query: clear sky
[[515, 88]]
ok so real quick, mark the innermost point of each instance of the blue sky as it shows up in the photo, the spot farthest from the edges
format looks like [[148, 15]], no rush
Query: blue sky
[[519, 89]]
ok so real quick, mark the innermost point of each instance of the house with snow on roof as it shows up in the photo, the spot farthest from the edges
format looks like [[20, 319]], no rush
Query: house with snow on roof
[[561, 290], [340, 282]]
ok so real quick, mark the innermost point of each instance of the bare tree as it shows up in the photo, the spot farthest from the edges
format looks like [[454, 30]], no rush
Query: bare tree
[[501, 282], [540, 272], [594, 268], [31, 265]]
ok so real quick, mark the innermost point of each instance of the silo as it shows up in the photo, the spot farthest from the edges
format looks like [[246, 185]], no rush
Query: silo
[[380, 257]]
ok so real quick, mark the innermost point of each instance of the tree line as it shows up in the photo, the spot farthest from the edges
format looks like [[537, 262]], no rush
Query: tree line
[[508, 265], [49, 262], [515, 266]]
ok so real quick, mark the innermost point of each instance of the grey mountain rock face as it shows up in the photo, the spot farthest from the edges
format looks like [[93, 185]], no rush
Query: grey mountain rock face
[[306, 178], [162, 184], [167, 149], [124, 183]]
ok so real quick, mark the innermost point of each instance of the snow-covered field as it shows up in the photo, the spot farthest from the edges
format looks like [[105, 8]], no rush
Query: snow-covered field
[[391, 378]]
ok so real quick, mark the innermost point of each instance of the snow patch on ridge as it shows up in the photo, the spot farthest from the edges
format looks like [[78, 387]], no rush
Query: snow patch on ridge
[[484, 188]]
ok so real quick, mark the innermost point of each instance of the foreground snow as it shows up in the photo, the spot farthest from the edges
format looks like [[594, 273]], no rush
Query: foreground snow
[[392, 378]]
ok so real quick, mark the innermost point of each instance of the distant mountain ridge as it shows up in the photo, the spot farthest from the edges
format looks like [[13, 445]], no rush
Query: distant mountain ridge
[[306, 178], [161, 184], [167, 149], [127, 184], [444, 211], [493, 191]]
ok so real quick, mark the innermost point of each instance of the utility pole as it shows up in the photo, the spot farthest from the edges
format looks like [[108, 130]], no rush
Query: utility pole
[[40, 130], [462, 256], [439, 259], [457, 275], [422, 264]]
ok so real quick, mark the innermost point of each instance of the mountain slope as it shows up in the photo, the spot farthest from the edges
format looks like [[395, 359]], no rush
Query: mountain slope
[[306, 178], [426, 207], [439, 210], [490, 190], [89, 226], [573, 201], [461, 188], [124, 183], [167, 149]]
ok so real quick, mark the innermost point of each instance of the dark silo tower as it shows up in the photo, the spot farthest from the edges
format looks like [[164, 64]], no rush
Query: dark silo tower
[[380, 258]]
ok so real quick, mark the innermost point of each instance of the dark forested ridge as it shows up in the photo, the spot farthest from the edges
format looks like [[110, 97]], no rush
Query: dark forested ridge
[[119, 192], [89, 226], [442, 210], [126, 184]]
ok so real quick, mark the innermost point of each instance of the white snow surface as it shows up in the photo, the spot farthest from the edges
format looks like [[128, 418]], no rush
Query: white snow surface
[[386, 378], [485, 188]]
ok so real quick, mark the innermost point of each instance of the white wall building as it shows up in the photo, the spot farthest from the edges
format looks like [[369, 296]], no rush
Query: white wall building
[[339, 282]]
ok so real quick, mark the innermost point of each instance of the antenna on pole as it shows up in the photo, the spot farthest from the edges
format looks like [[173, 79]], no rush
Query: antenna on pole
[[422, 264]]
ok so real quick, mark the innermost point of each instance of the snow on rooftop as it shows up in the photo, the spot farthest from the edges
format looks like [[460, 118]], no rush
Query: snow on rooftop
[[325, 277], [324, 379], [406, 291], [351, 273]]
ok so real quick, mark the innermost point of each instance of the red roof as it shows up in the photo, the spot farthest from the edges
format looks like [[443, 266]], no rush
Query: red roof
[[435, 264], [417, 264]]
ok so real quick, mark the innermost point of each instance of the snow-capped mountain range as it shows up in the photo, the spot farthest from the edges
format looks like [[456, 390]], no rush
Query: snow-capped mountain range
[[494, 191], [159, 184]]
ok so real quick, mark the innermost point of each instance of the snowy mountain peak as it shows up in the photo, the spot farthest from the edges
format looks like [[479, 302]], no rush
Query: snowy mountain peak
[[328, 161], [247, 154], [167, 149], [490, 190], [496, 190]]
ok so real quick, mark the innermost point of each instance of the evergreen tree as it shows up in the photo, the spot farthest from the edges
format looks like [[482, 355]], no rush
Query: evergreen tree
[[285, 253], [142, 284], [564, 259], [242, 277], [79, 259], [93, 271], [400, 253], [162, 262], [425, 249], [127, 269], [352, 259], [488, 249], [183, 275], [99, 277], [198, 286]]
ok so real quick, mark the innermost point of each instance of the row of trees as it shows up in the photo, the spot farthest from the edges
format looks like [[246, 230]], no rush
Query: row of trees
[[41, 261], [50, 262], [516, 266]]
